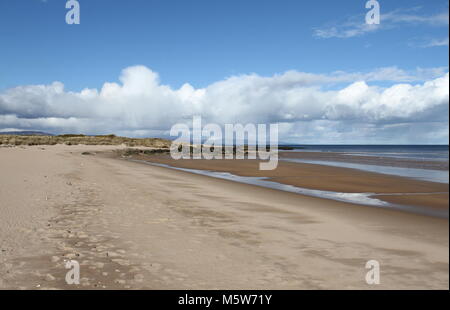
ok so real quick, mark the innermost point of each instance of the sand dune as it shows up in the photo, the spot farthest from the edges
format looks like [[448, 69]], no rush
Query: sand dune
[[134, 226]]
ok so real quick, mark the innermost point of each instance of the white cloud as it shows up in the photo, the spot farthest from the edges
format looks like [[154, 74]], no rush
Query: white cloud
[[427, 42], [404, 16], [140, 105], [355, 26], [438, 42]]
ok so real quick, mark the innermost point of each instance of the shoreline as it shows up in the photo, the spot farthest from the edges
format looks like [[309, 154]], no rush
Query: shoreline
[[414, 163], [328, 181], [362, 199], [141, 227], [430, 175]]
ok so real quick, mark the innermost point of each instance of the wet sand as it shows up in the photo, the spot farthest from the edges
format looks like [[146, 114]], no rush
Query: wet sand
[[134, 226], [435, 195], [367, 160]]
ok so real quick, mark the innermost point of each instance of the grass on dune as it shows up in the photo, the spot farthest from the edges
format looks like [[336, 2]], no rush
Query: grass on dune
[[75, 139]]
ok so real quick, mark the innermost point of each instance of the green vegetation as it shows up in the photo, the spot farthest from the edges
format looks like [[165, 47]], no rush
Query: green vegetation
[[130, 152], [73, 139]]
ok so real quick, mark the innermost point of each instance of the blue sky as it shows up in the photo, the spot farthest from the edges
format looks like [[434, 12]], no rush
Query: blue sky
[[201, 41], [313, 66]]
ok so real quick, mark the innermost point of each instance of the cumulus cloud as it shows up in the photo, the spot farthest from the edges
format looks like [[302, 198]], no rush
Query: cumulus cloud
[[304, 103]]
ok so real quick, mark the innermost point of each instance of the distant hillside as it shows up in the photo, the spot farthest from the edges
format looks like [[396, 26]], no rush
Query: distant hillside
[[26, 133]]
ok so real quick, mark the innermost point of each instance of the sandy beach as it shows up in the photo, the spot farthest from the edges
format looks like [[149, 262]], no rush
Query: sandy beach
[[423, 195], [136, 226]]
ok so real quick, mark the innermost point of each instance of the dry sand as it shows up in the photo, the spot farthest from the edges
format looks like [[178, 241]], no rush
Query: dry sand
[[137, 226]]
